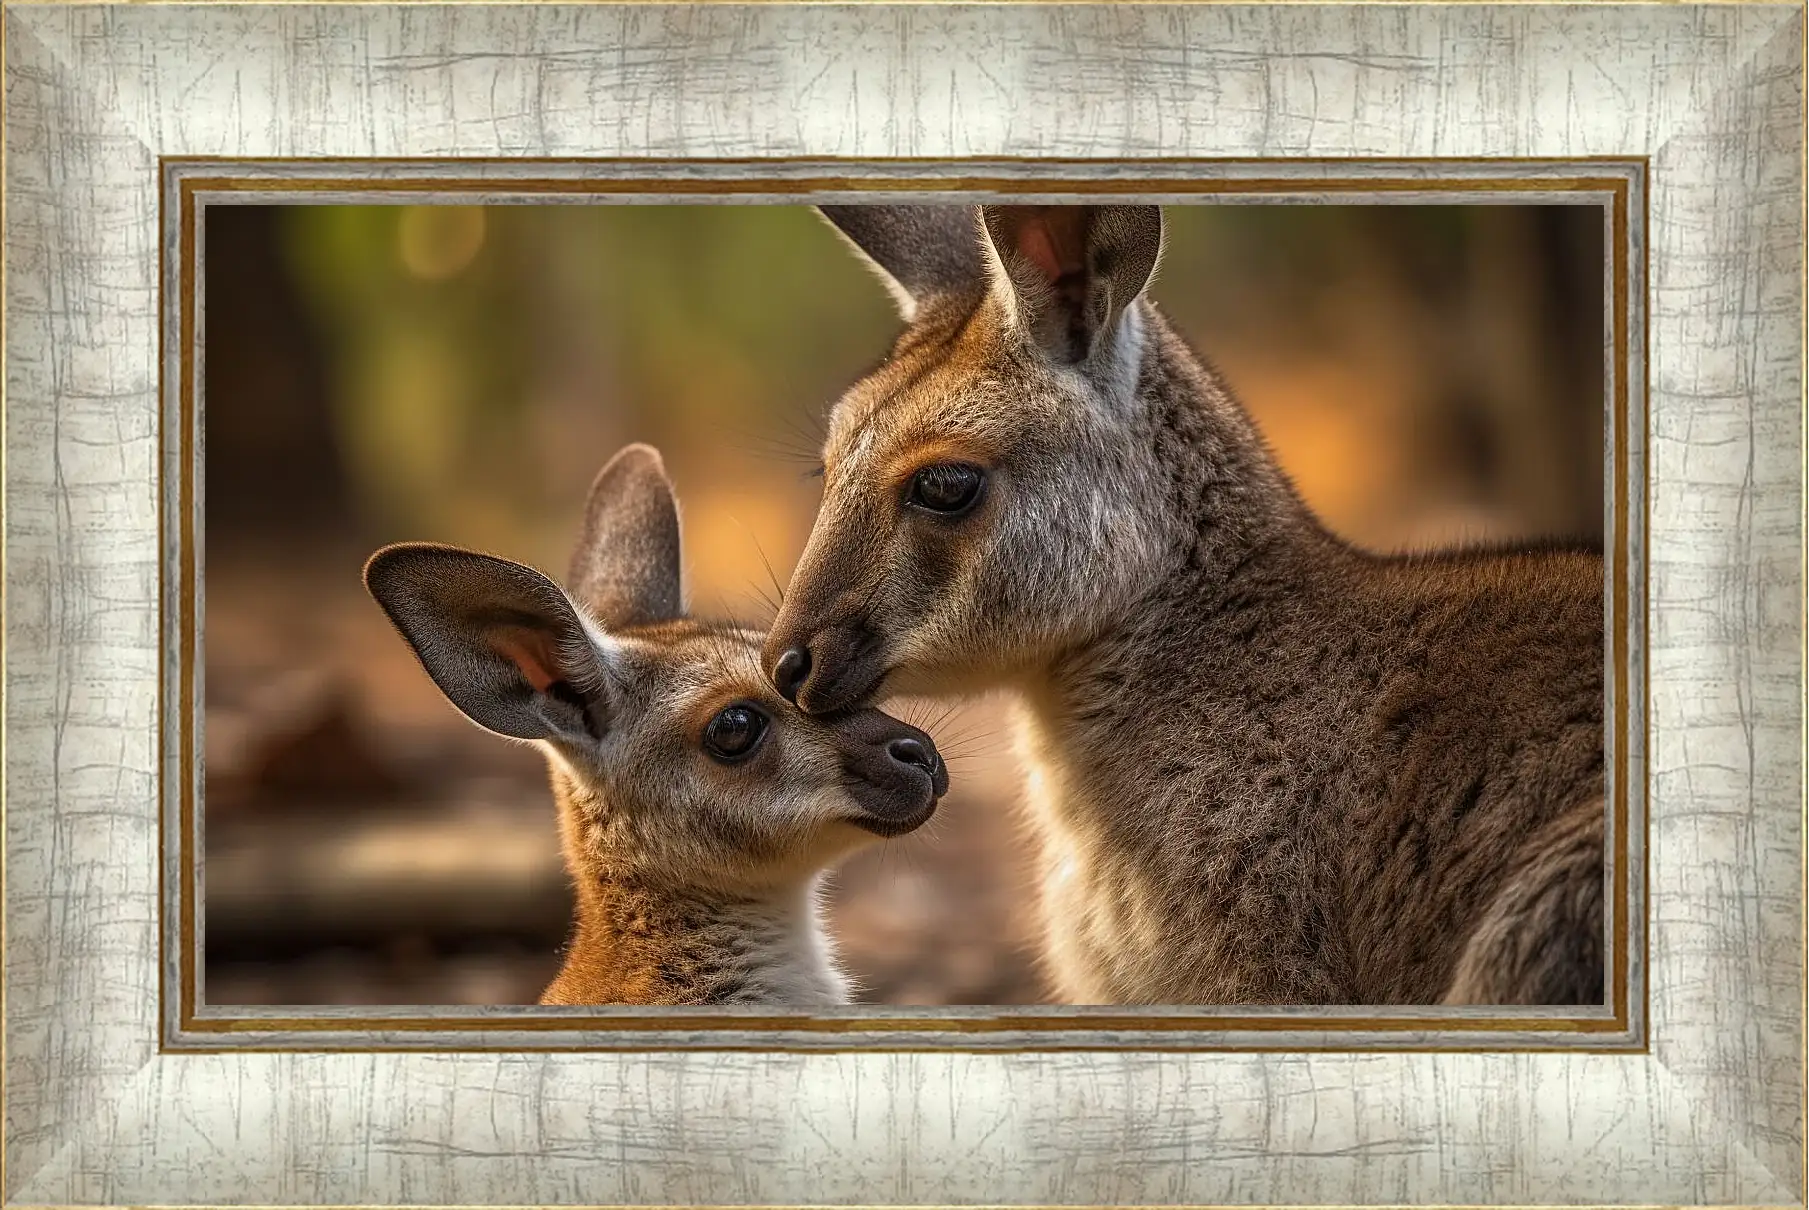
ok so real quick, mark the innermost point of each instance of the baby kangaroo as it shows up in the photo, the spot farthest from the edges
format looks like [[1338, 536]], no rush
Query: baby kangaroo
[[697, 809], [1264, 767]]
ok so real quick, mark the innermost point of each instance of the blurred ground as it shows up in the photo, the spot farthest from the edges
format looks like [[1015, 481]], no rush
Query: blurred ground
[[452, 374]]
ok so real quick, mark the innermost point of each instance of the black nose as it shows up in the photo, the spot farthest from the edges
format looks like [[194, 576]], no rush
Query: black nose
[[908, 751], [789, 673]]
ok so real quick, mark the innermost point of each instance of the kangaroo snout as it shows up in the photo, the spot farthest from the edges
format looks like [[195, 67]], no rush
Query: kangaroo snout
[[911, 751], [790, 671], [895, 773], [835, 668]]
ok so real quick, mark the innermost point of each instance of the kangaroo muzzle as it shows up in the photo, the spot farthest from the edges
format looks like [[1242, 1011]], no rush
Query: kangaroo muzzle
[[835, 668], [893, 773]]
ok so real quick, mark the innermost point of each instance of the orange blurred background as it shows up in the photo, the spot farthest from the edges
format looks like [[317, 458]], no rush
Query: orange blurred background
[[458, 374]]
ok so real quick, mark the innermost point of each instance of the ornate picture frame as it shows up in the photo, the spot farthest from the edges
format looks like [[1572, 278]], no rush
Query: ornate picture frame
[[123, 123]]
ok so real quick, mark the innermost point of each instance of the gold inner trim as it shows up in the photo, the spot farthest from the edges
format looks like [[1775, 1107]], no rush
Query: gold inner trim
[[902, 1023]]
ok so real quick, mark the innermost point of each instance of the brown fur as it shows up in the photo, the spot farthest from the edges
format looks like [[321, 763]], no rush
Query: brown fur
[[1264, 767]]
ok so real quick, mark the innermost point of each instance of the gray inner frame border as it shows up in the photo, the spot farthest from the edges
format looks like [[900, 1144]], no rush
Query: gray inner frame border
[[533, 1028]]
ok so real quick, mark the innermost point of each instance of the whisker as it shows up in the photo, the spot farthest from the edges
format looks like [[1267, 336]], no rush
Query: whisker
[[792, 445], [968, 742], [942, 717], [770, 573], [764, 561]]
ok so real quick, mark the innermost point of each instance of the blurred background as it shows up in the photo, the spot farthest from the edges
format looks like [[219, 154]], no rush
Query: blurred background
[[458, 374]]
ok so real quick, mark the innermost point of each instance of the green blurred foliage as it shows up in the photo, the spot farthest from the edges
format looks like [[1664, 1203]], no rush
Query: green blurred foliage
[[483, 362], [434, 374], [1293, 264]]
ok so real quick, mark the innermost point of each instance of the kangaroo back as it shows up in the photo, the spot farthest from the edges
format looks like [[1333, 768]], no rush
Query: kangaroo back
[[1540, 940]]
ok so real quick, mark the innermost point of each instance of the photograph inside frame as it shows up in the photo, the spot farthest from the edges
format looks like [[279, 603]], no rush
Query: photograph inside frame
[[940, 605]]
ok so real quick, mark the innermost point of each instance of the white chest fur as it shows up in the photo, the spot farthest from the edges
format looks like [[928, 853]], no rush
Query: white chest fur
[[1097, 939], [805, 970]]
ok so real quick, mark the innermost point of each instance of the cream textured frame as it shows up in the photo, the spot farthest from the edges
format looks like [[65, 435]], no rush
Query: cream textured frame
[[104, 105]]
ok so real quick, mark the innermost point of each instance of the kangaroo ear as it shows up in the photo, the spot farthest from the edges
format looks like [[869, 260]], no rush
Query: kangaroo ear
[[1067, 273], [501, 640], [628, 568], [923, 254]]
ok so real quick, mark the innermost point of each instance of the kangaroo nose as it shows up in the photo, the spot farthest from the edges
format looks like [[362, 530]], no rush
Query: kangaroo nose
[[790, 671], [908, 751]]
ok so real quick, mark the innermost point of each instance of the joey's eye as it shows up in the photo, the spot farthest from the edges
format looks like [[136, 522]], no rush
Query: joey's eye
[[735, 732], [949, 488]]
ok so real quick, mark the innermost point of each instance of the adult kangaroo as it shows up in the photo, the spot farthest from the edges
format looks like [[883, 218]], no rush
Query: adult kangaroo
[[1263, 766]]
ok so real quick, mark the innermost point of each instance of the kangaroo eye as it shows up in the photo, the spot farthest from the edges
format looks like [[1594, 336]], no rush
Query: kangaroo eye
[[734, 733], [946, 487]]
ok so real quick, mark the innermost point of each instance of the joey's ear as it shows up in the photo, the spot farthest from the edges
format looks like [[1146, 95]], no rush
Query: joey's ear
[[628, 569], [1067, 273], [501, 640], [923, 254]]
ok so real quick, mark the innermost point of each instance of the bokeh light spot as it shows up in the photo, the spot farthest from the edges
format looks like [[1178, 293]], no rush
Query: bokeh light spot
[[438, 242]]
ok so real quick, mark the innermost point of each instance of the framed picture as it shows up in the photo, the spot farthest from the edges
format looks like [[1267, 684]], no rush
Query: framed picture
[[804, 604]]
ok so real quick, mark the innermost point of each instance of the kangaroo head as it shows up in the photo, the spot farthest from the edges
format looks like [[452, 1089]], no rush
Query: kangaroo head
[[988, 491], [673, 759]]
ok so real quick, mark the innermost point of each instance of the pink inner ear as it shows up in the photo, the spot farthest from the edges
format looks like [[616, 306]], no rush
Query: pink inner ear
[[530, 653], [1035, 242], [1054, 240]]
